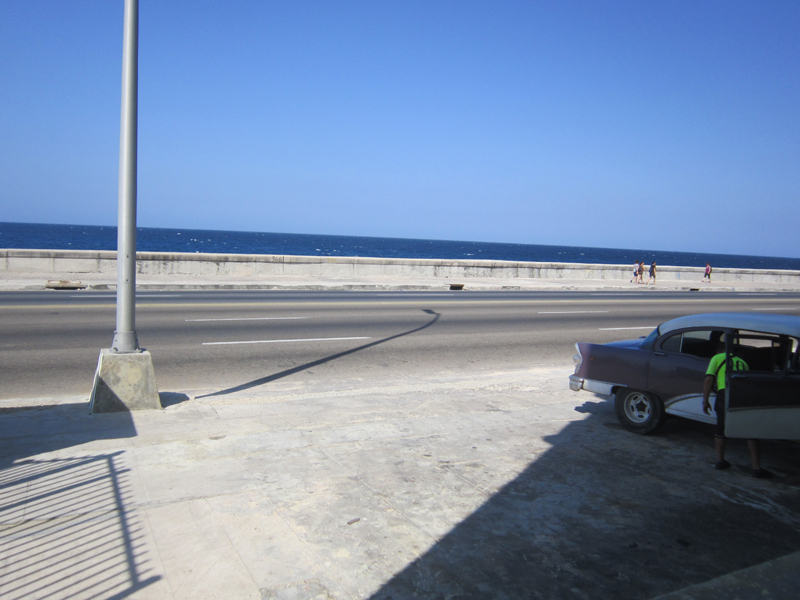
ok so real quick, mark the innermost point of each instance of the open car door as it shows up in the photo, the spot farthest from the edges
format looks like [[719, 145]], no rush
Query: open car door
[[763, 405]]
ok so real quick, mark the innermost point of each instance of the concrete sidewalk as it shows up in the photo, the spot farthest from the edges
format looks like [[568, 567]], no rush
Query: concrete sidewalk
[[99, 281], [481, 485]]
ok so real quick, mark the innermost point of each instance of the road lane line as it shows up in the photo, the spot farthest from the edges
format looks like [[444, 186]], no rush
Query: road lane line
[[569, 312], [248, 319], [773, 309], [113, 294], [351, 304], [624, 328], [284, 341], [412, 294]]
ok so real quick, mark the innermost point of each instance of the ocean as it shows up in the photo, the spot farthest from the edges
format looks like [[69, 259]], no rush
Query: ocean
[[151, 239]]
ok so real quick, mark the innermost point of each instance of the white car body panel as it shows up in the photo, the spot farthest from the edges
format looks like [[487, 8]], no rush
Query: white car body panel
[[689, 407]]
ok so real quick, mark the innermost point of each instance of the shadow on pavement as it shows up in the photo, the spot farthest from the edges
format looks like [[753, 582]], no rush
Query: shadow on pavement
[[172, 398], [300, 368], [31, 430], [607, 514], [65, 529]]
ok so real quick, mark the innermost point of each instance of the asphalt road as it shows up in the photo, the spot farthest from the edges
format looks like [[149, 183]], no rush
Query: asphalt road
[[211, 342]]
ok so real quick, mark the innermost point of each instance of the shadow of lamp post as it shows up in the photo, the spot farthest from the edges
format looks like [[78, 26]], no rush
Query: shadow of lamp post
[[125, 379]]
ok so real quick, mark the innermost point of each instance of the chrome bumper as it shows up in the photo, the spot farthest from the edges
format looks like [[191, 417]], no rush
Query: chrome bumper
[[576, 384]]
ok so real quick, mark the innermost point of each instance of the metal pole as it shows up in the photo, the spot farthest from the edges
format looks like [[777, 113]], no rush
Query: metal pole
[[125, 339]]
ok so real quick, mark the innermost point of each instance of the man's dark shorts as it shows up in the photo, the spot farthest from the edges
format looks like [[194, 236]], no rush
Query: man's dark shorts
[[719, 408]]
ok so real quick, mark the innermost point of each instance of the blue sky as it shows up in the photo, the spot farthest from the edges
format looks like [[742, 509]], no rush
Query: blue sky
[[670, 125]]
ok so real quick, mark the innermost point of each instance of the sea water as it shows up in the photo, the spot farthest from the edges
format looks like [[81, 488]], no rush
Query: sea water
[[150, 239]]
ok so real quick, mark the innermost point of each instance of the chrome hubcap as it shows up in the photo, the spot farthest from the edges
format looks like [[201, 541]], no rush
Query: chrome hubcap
[[637, 407]]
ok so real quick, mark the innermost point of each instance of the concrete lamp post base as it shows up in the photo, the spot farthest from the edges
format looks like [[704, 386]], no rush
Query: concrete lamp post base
[[124, 382]]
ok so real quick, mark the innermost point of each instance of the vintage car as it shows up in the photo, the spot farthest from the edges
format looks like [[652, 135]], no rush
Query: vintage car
[[662, 374]]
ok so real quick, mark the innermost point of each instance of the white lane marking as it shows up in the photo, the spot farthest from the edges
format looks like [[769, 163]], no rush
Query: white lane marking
[[247, 319], [569, 312], [282, 341], [773, 309], [622, 328], [621, 294], [113, 295], [756, 294]]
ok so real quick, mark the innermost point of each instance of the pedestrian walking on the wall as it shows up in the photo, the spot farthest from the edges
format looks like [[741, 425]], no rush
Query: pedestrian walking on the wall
[[708, 273], [652, 273]]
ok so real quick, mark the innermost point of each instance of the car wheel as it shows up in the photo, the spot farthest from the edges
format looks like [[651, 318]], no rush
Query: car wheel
[[637, 411]]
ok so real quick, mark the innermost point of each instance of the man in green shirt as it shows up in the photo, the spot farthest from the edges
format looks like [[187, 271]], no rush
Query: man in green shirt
[[716, 372]]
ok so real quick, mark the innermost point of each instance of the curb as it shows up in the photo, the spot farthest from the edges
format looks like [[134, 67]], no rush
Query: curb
[[442, 287]]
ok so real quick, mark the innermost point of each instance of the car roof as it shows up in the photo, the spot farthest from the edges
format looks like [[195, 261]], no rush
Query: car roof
[[780, 324]]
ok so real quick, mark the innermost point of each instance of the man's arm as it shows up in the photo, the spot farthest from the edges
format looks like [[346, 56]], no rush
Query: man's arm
[[708, 383]]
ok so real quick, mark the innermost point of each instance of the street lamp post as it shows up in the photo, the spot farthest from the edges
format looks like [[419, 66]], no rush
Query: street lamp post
[[125, 379], [125, 340]]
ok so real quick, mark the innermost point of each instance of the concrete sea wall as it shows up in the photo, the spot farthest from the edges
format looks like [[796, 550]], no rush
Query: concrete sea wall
[[57, 263]]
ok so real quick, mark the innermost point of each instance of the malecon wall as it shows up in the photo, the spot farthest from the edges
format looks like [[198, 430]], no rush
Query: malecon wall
[[57, 263]]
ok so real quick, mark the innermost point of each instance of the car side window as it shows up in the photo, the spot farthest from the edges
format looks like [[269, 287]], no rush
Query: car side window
[[701, 343], [672, 343], [765, 351]]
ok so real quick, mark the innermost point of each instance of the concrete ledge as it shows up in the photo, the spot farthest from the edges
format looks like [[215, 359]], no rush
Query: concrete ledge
[[338, 267]]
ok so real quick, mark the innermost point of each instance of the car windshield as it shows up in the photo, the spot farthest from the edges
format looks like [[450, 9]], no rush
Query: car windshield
[[648, 342]]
